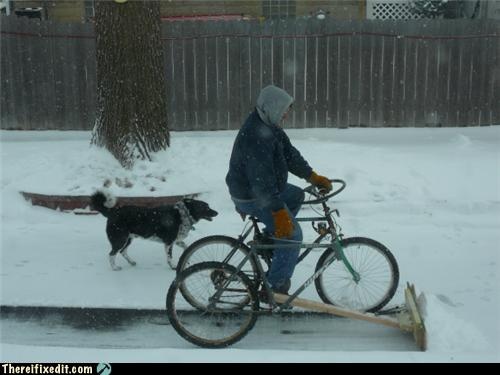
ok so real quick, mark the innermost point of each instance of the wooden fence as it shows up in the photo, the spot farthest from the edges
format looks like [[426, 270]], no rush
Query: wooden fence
[[341, 73]]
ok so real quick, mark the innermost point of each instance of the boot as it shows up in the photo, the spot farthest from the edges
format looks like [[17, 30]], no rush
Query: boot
[[283, 288]]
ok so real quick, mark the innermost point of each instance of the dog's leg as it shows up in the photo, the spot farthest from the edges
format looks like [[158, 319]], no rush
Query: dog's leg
[[123, 252], [117, 249], [168, 250], [170, 258], [112, 263], [129, 260], [182, 245]]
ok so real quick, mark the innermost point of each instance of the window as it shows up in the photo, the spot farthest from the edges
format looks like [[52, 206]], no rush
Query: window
[[29, 12], [278, 8]]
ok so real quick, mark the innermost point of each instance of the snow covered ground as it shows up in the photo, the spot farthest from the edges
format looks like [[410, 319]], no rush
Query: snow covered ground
[[431, 195]]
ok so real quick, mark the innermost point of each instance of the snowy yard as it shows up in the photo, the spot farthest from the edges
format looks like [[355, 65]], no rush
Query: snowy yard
[[432, 196]]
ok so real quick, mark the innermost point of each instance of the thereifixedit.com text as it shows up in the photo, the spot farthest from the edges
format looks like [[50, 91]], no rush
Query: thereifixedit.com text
[[37, 368]]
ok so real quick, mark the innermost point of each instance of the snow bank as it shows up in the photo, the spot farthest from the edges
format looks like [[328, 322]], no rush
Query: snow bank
[[446, 332]]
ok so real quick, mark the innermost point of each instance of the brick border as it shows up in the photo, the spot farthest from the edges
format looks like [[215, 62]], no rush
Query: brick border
[[75, 202]]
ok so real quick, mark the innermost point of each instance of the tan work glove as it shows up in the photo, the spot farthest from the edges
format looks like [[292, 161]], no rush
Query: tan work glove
[[283, 226], [320, 181]]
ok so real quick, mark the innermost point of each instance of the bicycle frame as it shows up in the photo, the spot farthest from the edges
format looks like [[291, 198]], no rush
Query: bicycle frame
[[327, 217], [335, 244]]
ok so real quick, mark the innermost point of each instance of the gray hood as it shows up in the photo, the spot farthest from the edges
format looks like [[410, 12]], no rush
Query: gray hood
[[272, 104]]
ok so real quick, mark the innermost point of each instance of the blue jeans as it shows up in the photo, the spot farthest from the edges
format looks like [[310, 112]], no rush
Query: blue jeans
[[284, 258]]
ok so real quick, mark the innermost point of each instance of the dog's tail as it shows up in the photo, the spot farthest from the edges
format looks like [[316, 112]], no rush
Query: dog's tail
[[102, 202]]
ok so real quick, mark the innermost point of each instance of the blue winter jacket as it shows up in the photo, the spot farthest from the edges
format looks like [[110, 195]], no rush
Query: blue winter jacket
[[260, 161]]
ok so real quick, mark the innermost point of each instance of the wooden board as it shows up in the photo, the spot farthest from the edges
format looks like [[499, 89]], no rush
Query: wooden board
[[419, 332], [330, 309], [409, 320]]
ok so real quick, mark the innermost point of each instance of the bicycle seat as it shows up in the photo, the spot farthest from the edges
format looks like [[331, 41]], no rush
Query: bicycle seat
[[244, 216]]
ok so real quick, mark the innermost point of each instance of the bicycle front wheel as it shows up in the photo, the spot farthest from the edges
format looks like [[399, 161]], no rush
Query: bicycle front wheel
[[376, 266], [219, 319]]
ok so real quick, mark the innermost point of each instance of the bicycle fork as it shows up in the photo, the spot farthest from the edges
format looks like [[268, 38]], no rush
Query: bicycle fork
[[339, 253]]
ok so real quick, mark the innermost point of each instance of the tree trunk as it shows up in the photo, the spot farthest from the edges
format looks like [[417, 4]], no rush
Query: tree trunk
[[131, 109]]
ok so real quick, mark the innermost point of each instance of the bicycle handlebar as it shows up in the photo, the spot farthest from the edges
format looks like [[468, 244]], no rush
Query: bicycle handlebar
[[321, 197]]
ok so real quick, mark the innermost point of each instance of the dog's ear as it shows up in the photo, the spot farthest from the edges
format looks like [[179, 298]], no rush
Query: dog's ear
[[187, 201]]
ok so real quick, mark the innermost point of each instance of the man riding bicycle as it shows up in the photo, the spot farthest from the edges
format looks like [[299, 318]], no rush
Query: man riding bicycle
[[261, 158]]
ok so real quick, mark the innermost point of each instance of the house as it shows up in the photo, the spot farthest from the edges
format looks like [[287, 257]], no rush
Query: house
[[83, 11]]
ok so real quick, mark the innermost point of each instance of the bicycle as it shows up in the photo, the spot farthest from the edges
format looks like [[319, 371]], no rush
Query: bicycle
[[232, 251], [212, 248], [355, 273]]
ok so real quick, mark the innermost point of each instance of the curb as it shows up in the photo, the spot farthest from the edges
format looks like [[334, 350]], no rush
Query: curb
[[95, 317], [83, 317]]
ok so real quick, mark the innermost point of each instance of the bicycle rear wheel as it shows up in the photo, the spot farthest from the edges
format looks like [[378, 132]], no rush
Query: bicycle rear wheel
[[217, 249], [219, 319], [376, 266]]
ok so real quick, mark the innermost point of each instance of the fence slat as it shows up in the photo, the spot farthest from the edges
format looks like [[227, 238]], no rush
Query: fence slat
[[288, 61], [167, 45], [234, 80], [277, 53], [222, 77], [387, 75], [320, 79], [255, 62], [494, 97], [492, 100], [300, 63], [267, 50], [332, 62], [355, 69], [398, 82], [212, 77], [244, 89], [8, 78], [190, 78], [178, 52], [310, 118]]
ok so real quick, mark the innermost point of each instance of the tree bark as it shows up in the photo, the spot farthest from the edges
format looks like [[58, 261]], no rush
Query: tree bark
[[131, 103]]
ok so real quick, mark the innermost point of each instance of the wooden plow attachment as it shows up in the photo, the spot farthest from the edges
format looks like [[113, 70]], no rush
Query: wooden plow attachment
[[408, 318]]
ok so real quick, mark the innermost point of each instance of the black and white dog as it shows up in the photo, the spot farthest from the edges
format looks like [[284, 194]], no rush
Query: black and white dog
[[168, 224]]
